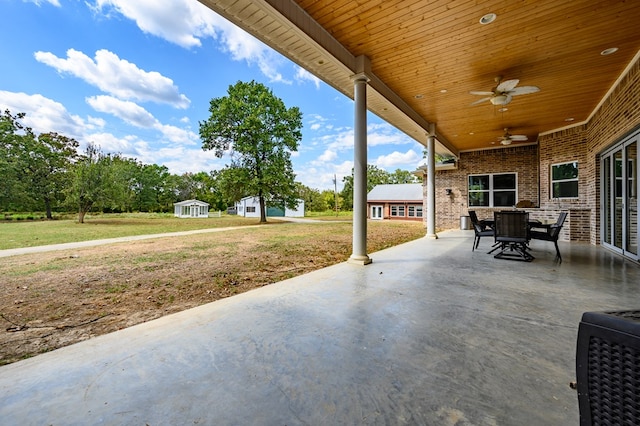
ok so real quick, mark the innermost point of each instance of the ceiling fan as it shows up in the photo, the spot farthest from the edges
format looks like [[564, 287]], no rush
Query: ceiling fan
[[507, 138], [503, 92]]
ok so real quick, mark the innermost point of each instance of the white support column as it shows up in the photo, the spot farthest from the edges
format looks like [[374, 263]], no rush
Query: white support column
[[431, 184], [359, 254]]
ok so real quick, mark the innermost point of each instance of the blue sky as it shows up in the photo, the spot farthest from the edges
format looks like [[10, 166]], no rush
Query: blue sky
[[136, 77]]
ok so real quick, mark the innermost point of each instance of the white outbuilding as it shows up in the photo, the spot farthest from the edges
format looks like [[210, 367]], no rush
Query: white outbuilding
[[191, 208], [250, 207]]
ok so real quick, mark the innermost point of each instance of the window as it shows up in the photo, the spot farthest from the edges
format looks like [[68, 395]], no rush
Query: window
[[415, 211], [494, 190], [397, 210], [630, 180], [251, 209], [564, 180]]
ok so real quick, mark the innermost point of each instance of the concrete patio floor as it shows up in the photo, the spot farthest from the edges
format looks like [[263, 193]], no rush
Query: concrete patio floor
[[430, 333]]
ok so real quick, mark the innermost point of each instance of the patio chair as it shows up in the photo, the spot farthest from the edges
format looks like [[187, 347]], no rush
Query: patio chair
[[551, 233], [480, 229], [512, 235]]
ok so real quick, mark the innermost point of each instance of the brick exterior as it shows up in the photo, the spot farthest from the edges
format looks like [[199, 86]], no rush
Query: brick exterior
[[522, 160], [618, 116]]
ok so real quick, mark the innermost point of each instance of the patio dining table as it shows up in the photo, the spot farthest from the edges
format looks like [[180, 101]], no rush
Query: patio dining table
[[533, 223]]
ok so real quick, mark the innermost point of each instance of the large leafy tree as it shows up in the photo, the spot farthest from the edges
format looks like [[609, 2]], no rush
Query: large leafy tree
[[49, 157], [259, 132], [34, 167], [92, 184], [13, 189]]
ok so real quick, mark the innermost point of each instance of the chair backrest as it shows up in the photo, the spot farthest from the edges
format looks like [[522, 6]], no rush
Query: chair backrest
[[511, 226], [554, 231], [473, 216]]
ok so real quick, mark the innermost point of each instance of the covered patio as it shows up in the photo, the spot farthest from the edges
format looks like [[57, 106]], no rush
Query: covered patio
[[429, 333]]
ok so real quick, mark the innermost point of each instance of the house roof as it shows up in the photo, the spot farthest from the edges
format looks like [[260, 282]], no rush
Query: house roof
[[423, 58], [396, 192], [190, 202]]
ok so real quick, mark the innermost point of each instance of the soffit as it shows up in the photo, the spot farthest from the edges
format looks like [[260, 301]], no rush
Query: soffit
[[419, 49]]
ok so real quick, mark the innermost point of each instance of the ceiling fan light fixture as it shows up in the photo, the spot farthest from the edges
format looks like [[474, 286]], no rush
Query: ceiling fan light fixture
[[500, 100], [488, 18]]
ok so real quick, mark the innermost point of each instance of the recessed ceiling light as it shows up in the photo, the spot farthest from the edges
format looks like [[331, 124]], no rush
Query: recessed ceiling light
[[488, 18], [569, 119], [609, 51], [471, 133], [503, 109], [321, 62], [443, 91], [419, 96]]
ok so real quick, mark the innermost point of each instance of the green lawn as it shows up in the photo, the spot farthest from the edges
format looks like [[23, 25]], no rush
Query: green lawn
[[16, 234]]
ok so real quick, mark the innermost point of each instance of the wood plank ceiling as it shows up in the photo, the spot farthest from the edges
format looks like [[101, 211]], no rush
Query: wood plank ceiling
[[427, 56]]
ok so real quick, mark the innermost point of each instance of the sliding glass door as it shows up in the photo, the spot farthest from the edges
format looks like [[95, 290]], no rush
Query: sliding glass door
[[619, 214]]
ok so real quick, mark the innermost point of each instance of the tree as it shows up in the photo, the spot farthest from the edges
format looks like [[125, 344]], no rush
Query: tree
[[375, 176], [49, 158], [403, 176], [91, 184], [12, 189], [313, 199], [34, 167], [259, 133]]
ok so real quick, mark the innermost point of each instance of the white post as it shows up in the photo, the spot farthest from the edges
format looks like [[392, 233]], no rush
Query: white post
[[431, 184], [359, 254]]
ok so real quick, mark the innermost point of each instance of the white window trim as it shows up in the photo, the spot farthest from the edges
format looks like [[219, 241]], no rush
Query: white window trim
[[491, 190], [551, 181], [395, 210], [417, 211]]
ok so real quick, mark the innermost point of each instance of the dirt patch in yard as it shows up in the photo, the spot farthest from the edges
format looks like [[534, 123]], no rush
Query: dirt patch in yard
[[50, 300]]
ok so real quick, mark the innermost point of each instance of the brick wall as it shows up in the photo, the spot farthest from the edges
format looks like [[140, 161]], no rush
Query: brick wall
[[618, 116], [522, 160]]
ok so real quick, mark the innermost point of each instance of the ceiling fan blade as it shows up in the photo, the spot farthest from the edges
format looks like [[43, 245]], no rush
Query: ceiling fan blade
[[518, 137], [481, 93], [479, 101], [507, 85], [524, 90]]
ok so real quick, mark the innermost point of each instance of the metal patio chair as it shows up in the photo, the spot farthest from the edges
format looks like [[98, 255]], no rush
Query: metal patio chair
[[512, 235], [480, 229], [550, 233]]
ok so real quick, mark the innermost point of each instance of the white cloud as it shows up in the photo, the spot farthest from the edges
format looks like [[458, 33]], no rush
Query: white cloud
[[328, 156], [45, 115], [321, 176], [39, 2], [304, 75], [135, 115], [385, 134], [117, 77], [127, 146], [397, 159], [187, 22], [178, 158], [127, 111]]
